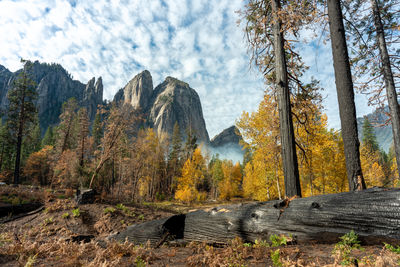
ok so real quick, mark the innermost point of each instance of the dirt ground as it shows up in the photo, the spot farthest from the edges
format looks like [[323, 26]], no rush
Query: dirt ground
[[63, 234]]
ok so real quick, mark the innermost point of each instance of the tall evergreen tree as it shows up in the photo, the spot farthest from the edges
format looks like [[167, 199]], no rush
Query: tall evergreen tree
[[97, 131], [190, 144], [32, 141], [48, 138], [21, 111], [7, 149], [65, 130], [386, 69], [267, 22], [369, 137], [345, 94], [375, 60], [83, 134], [174, 157]]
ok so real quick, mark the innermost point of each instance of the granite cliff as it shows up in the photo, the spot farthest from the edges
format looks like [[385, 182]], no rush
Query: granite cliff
[[54, 86], [227, 144], [171, 101]]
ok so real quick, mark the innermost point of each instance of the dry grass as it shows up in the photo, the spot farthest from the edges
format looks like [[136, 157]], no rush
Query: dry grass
[[44, 239]]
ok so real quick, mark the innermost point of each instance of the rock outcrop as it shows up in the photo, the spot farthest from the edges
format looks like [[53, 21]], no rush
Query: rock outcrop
[[174, 101], [171, 101], [139, 90], [93, 96], [54, 86], [227, 144], [230, 135]]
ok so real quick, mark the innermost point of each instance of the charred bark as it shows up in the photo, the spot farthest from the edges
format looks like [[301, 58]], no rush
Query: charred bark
[[394, 107], [289, 156], [374, 214], [345, 94]]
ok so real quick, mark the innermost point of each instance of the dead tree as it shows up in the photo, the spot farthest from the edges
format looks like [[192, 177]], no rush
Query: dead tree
[[374, 214]]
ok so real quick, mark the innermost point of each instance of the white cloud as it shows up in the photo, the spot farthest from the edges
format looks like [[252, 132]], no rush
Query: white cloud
[[196, 41]]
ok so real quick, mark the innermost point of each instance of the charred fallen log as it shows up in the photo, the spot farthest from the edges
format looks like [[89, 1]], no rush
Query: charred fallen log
[[11, 210], [374, 214]]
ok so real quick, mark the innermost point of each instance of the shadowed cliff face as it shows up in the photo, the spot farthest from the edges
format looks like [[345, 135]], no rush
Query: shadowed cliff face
[[227, 144], [54, 86]]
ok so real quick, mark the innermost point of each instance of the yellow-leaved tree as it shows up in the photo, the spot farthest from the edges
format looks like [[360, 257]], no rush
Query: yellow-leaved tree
[[192, 176], [263, 175], [231, 182]]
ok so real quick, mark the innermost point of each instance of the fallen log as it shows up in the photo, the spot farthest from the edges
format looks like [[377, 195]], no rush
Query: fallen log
[[10, 210], [374, 214]]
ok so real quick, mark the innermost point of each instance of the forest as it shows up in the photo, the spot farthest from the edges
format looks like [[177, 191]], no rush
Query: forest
[[290, 153]]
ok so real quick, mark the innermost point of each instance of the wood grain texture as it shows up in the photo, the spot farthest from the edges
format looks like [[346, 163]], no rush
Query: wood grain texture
[[374, 214]]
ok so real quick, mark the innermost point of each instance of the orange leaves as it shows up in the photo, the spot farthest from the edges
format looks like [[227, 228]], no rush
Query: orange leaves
[[37, 168]]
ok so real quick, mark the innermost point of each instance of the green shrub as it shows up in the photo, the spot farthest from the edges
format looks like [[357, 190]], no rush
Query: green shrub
[[277, 241], [125, 210], [48, 221], [276, 257], [140, 262], [110, 210], [392, 248], [343, 248], [76, 212]]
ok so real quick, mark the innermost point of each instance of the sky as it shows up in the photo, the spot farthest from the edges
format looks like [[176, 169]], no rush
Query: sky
[[196, 41]]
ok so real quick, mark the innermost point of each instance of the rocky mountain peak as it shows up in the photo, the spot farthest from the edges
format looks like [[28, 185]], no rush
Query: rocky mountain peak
[[54, 86], [139, 90], [230, 135], [175, 101], [93, 96]]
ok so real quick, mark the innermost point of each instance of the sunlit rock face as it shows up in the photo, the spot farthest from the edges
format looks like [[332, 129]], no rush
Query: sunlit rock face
[[171, 102], [174, 101], [139, 90]]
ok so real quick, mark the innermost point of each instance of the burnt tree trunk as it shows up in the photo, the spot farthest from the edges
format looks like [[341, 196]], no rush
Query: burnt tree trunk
[[389, 81], [345, 94], [374, 214], [289, 156]]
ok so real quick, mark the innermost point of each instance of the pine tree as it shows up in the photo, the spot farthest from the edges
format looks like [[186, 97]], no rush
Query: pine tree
[[97, 130], [82, 134], [190, 144], [66, 129], [48, 139], [375, 57], [32, 141], [21, 111], [7, 148], [369, 137], [174, 157], [345, 94], [267, 23]]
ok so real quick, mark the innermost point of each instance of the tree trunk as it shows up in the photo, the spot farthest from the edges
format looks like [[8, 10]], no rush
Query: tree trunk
[[289, 157], [345, 94], [19, 139], [373, 214], [389, 81]]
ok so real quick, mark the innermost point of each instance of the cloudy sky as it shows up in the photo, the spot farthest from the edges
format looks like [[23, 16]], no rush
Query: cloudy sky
[[197, 41]]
